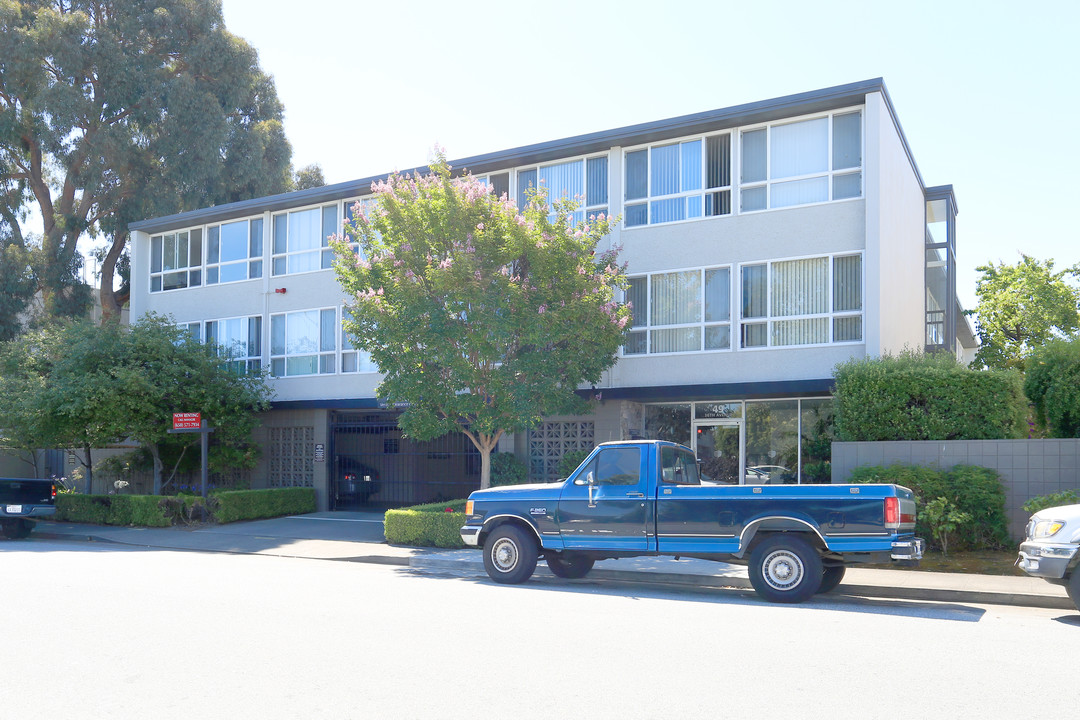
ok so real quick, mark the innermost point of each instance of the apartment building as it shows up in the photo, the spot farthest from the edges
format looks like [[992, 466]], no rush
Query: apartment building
[[765, 243]]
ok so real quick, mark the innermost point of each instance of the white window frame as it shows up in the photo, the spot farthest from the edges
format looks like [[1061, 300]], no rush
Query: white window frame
[[702, 191], [325, 360], [281, 261], [584, 210], [830, 174], [252, 260], [769, 319], [702, 323], [245, 360], [192, 270], [350, 354]]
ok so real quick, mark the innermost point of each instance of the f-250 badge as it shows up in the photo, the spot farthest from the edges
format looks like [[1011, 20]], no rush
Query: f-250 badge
[[538, 511]]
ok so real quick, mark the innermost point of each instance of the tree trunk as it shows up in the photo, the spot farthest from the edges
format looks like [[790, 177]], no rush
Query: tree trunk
[[157, 467], [89, 465], [485, 444], [111, 301]]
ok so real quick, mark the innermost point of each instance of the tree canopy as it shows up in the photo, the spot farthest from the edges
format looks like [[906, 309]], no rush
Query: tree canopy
[[81, 386], [1022, 307], [483, 319], [117, 110], [1052, 383]]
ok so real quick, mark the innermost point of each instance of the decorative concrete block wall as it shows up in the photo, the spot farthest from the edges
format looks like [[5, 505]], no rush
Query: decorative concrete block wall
[[1027, 467]]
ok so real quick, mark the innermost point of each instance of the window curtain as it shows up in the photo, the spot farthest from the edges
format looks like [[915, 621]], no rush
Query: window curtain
[[847, 283], [800, 148], [676, 298], [800, 287]]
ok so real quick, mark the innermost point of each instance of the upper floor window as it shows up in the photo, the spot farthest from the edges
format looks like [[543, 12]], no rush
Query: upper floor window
[[176, 260], [302, 240], [241, 338], [234, 251], [584, 180], [684, 311], [498, 182], [798, 163], [678, 181], [303, 343], [809, 301]]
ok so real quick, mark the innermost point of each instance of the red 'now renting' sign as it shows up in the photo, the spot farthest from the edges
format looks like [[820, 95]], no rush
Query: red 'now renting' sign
[[186, 421]]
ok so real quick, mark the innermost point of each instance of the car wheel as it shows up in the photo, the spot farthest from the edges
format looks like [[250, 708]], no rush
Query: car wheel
[[569, 566], [785, 569], [510, 555], [17, 529], [1073, 588], [831, 577]]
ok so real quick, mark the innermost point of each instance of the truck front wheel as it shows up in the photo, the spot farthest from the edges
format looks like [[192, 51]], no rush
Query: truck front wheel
[[1073, 588], [786, 569], [569, 566], [510, 555]]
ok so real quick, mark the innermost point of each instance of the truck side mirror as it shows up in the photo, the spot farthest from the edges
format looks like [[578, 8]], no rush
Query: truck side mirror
[[588, 479]]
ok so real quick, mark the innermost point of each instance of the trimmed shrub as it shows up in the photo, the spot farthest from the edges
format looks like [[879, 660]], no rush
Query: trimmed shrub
[[926, 397], [1041, 502], [431, 525], [508, 469], [143, 510], [233, 505], [1052, 384], [974, 490], [570, 461]]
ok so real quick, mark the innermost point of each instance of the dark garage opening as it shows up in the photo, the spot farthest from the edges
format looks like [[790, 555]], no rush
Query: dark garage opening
[[373, 466]]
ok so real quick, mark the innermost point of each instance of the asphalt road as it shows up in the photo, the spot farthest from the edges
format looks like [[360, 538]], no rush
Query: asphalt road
[[95, 631]]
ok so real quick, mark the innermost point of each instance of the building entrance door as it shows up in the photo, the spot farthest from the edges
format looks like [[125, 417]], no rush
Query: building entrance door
[[720, 449]]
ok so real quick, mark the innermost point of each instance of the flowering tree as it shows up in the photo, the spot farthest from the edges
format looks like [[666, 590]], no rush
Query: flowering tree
[[483, 319]]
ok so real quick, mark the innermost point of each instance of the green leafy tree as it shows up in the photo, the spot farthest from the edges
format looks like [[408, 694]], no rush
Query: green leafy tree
[[307, 177], [483, 319], [81, 386], [117, 110], [943, 518], [1052, 384], [1022, 307]]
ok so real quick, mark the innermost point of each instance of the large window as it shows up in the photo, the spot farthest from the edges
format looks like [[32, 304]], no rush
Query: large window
[[798, 163], [302, 240], [809, 301], [683, 311], [241, 339], [584, 180], [234, 251], [303, 343], [353, 359], [678, 181], [176, 260]]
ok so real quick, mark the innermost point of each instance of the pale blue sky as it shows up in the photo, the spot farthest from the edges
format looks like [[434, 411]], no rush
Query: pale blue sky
[[986, 91]]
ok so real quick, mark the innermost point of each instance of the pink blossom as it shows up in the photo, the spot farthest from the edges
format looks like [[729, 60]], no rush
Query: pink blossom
[[445, 264], [542, 309], [479, 226]]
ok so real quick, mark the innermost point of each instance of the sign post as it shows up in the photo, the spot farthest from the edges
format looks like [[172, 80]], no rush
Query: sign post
[[192, 423]]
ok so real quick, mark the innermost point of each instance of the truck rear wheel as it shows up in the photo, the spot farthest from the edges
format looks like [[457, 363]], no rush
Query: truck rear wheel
[[831, 577], [510, 555], [569, 566], [16, 528], [786, 569]]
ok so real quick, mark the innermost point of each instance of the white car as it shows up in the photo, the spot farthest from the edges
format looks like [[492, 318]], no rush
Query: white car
[[1050, 548]]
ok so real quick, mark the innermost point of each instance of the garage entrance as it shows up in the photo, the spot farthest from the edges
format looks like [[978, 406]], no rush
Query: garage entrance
[[375, 467]]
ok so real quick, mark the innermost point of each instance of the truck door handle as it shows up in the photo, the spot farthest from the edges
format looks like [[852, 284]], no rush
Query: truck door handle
[[635, 494]]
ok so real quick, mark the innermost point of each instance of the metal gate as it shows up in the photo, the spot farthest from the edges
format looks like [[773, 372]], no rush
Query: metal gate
[[373, 466]]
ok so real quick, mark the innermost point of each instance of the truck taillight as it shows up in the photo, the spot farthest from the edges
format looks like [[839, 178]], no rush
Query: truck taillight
[[53, 491], [892, 512]]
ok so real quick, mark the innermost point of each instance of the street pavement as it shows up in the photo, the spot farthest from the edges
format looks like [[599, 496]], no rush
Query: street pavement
[[358, 537]]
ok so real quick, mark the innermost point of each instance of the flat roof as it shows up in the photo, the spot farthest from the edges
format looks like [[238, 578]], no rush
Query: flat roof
[[708, 121]]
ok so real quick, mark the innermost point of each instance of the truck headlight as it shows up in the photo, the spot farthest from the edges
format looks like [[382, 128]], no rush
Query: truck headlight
[[468, 507], [1046, 528]]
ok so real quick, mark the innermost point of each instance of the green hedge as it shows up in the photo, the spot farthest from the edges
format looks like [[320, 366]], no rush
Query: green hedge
[[972, 489], [146, 510], [162, 511], [926, 397], [426, 525], [233, 505], [1041, 502]]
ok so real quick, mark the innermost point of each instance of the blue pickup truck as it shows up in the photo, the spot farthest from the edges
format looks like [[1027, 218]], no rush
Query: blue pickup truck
[[23, 499], [647, 497]]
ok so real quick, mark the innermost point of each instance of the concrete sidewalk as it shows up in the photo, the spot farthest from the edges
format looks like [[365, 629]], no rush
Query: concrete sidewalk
[[356, 537]]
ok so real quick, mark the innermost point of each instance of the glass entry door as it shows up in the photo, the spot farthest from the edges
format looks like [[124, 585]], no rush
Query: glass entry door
[[718, 445]]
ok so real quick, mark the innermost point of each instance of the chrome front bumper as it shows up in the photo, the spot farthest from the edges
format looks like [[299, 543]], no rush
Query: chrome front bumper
[[1046, 560], [470, 535]]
